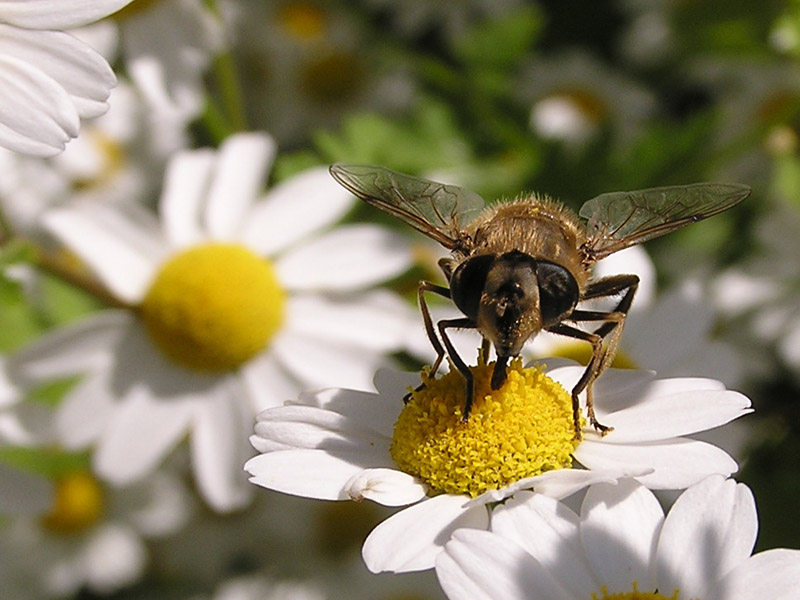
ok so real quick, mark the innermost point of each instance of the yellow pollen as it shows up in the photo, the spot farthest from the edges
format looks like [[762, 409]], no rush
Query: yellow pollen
[[304, 20], [635, 594], [523, 429], [582, 353], [78, 504], [213, 307]]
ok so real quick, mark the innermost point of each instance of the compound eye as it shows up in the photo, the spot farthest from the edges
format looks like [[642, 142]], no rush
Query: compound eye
[[468, 281], [558, 292]]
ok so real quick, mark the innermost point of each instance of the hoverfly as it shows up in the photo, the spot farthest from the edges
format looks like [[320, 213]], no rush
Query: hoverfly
[[522, 266]]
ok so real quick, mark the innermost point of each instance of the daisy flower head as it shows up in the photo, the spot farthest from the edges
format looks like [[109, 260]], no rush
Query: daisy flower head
[[341, 444], [621, 547], [89, 536], [49, 79], [229, 303]]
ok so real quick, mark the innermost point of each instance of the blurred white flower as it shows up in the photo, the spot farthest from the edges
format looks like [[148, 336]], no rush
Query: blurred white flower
[[119, 157], [49, 79], [228, 306], [620, 546], [167, 47], [89, 537], [341, 444]]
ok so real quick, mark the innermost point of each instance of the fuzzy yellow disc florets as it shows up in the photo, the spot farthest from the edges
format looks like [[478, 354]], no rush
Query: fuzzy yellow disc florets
[[79, 503], [213, 307], [523, 429]]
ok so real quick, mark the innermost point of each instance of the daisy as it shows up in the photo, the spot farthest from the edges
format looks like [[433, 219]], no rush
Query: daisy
[[621, 547], [226, 307], [341, 444], [49, 79], [89, 536]]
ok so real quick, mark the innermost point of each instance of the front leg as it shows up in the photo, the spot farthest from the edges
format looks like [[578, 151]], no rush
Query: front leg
[[427, 286], [458, 362]]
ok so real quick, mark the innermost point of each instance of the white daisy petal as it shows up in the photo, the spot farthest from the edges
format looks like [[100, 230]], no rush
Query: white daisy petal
[[86, 411], [309, 473], [666, 416], [239, 173], [313, 428], [377, 320], [627, 517], [410, 539], [476, 565], [186, 182], [118, 242], [114, 558], [563, 482], [771, 574], [548, 530], [386, 486], [81, 72], [268, 384], [376, 413], [318, 362], [348, 258], [294, 209], [57, 14], [142, 431], [76, 348], [38, 116], [219, 448], [676, 463], [710, 530]]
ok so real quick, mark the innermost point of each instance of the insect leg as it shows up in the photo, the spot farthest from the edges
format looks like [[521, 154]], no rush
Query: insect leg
[[427, 286], [586, 379], [457, 360]]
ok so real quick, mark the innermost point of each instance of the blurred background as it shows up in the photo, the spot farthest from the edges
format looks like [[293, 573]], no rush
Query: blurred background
[[568, 99]]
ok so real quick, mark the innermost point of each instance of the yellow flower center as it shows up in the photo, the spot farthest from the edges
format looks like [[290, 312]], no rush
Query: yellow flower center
[[303, 20], [523, 429], [635, 594], [213, 307], [78, 504]]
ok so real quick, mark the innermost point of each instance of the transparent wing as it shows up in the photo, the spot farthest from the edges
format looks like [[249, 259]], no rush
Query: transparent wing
[[620, 219], [439, 211]]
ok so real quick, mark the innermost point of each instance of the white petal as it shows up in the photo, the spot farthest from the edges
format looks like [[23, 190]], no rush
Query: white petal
[[476, 565], [376, 320], [81, 72], [219, 446], [268, 384], [86, 411], [667, 416], [548, 530], [114, 558], [296, 426], [319, 363], [348, 258], [410, 539], [562, 482], [385, 486], [81, 347], [376, 412], [619, 528], [294, 209], [710, 530], [38, 117], [676, 463], [308, 473], [120, 243], [140, 435], [57, 14], [771, 574], [186, 182], [239, 174]]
